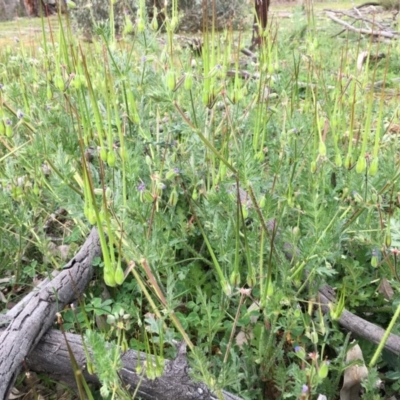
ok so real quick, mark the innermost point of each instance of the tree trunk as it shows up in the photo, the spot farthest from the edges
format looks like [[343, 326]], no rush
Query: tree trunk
[[260, 22]]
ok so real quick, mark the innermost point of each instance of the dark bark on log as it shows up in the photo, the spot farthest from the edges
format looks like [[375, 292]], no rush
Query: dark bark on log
[[51, 357], [31, 320]]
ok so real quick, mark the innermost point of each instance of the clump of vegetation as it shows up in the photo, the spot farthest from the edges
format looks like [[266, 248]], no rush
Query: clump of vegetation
[[227, 190], [390, 4], [187, 15]]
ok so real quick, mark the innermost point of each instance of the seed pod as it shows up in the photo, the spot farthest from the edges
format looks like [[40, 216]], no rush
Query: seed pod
[[103, 154], [361, 165], [373, 169], [111, 158], [374, 261], [188, 81], [323, 370], [338, 160], [140, 25], [36, 189], [170, 79], [49, 93], [348, 161], [388, 237], [76, 82], [251, 281], [235, 279], [173, 198], [109, 278], [147, 196], [9, 130], [322, 149], [154, 23], [119, 275], [91, 216], [70, 4], [313, 167], [128, 28], [174, 23], [59, 83]]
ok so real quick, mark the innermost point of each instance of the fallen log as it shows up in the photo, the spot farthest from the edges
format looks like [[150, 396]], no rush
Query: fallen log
[[356, 325], [25, 337], [51, 357], [33, 317]]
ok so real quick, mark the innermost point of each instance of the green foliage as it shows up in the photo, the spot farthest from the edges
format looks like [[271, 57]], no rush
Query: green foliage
[[189, 172]]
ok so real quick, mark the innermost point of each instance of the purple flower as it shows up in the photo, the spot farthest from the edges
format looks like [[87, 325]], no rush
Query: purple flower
[[20, 114], [8, 122], [177, 171], [297, 349], [304, 389], [1, 86], [141, 187]]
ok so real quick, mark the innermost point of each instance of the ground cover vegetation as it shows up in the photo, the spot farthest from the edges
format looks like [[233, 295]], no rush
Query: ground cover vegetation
[[227, 190]]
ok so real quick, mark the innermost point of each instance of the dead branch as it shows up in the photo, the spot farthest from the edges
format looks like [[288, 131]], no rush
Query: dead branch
[[381, 33]]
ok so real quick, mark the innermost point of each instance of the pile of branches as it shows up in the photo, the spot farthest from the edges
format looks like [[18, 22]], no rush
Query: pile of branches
[[364, 21]]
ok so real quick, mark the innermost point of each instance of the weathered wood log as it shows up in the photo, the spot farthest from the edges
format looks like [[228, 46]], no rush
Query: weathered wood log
[[51, 357], [24, 338], [31, 319], [356, 325]]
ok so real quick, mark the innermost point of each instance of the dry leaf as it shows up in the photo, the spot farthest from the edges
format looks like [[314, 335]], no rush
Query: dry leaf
[[15, 394], [353, 375], [386, 289], [63, 251]]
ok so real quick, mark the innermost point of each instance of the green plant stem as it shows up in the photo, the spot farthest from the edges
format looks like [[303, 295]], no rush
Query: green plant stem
[[385, 337]]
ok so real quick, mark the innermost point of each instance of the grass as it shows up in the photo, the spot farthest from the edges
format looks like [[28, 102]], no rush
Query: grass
[[226, 202]]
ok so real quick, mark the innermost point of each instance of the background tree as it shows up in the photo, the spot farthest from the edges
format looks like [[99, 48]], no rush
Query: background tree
[[260, 21]]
